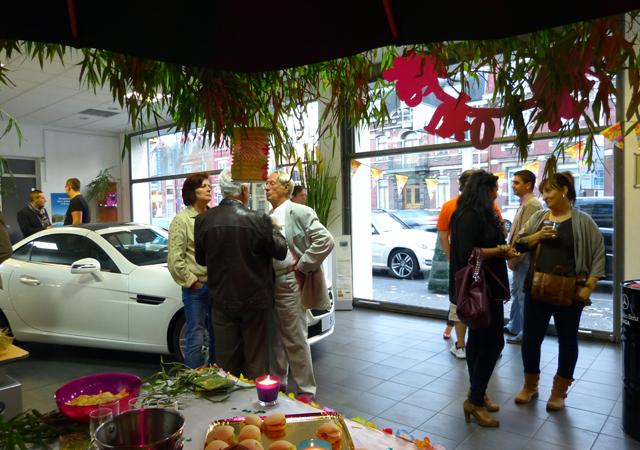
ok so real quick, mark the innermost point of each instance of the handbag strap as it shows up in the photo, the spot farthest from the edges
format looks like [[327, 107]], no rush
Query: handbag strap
[[479, 259]]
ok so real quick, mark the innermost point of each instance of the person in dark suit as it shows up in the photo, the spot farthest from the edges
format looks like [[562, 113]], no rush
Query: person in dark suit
[[34, 217]]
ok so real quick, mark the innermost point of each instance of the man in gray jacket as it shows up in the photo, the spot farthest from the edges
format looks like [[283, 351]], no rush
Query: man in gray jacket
[[299, 284], [523, 183]]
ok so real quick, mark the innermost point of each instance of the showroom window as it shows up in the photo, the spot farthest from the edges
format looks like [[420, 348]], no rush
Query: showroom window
[[160, 164], [422, 180]]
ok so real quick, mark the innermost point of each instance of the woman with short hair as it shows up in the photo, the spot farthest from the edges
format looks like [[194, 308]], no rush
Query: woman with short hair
[[196, 195]]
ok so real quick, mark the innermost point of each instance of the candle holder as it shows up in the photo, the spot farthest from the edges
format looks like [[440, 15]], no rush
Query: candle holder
[[314, 444], [268, 387]]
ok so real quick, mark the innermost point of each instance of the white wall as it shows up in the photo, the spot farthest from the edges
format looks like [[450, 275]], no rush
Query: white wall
[[65, 153]]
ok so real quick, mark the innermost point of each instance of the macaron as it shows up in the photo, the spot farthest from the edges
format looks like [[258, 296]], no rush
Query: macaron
[[216, 445], [252, 444], [282, 445], [249, 432], [253, 419], [274, 425], [224, 433], [331, 433]]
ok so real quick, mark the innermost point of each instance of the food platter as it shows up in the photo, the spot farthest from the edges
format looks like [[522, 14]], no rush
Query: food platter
[[299, 427]]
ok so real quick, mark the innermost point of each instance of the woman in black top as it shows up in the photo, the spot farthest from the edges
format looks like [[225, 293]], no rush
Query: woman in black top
[[570, 245], [475, 224]]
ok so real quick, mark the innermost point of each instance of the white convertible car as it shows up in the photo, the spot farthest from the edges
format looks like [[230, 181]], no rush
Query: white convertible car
[[102, 285]]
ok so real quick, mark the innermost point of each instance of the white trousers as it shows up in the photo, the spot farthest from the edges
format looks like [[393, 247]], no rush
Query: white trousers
[[290, 350]]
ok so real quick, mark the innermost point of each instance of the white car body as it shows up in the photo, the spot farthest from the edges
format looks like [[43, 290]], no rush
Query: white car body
[[130, 307], [394, 244]]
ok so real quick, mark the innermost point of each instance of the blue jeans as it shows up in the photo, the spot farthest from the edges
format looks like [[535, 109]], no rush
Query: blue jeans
[[516, 314], [197, 312]]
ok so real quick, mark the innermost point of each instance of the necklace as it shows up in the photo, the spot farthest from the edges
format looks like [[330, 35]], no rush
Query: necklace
[[560, 217]]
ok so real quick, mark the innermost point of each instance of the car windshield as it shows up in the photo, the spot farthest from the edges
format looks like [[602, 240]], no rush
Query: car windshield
[[385, 223], [143, 247]]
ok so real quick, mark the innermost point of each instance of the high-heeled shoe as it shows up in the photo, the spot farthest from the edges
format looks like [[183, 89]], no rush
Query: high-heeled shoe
[[480, 413], [489, 404]]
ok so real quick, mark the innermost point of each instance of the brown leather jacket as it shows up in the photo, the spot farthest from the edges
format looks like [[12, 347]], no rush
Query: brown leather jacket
[[237, 246]]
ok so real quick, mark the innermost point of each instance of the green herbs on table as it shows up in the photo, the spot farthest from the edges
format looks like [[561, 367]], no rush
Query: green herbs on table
[[175, 380]]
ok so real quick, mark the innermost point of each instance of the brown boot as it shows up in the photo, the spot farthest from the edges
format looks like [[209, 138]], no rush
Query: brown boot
[[529, 390], [558, 393], [480, 413]]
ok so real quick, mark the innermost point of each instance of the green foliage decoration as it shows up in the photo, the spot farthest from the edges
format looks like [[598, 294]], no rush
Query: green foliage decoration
[[353, 91]]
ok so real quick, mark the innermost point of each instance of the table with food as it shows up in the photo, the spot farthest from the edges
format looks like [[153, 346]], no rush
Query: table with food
[[198, 409]]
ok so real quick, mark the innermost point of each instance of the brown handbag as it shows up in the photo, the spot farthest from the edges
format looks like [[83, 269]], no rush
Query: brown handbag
[[552, 288]]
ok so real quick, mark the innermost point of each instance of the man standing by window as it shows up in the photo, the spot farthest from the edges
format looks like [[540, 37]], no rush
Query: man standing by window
[[523, 183], [33, 217], [78, 211]]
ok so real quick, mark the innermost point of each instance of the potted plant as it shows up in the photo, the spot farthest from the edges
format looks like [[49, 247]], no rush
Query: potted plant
[[319, 182], [100, 187]]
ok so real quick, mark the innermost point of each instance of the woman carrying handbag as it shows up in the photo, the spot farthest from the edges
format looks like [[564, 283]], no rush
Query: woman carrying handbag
[[568, 261], [475, 224]]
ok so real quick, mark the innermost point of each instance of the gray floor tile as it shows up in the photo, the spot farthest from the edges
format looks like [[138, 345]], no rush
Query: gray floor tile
[[493, 438], [608, 391], [414, 379], [520, 424], [436, 370], [400, 362], [597, 375], [589, 403], [613, 427], [578, 418], [605, 442], [535, 444], [381, 371], [452, 428], [370, 403], [431, 400], [574, 438], [395, 391], [407, 414]]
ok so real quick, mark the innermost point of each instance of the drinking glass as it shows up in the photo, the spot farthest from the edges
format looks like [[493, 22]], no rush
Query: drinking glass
[[97, 417]]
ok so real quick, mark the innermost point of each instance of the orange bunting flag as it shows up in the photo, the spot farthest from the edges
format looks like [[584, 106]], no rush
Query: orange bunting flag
[[355, 165], [376, 174], [533, 166], [401, 180], [432, 185], [637, 130], [614, 134], [575, 151]]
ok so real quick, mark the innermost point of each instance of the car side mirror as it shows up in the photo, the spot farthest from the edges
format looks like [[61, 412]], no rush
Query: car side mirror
[[85, 265]]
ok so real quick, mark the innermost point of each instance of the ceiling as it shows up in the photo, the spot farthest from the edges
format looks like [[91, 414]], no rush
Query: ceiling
[[53, 97]]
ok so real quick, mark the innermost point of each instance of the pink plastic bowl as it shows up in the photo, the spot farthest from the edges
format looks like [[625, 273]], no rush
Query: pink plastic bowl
[[95, 384]]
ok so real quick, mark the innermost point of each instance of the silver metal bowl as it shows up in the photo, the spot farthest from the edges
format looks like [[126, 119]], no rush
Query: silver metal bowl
[[149, 428]]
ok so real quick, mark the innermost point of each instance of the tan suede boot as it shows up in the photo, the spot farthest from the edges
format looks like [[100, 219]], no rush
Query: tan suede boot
[[529, 390], [558, 393]]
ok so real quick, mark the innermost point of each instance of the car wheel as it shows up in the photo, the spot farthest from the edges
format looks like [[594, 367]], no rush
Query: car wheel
[[403, 264], [178, 337]]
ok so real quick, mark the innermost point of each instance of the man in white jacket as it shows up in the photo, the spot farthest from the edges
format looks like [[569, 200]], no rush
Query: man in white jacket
[[299, 286]]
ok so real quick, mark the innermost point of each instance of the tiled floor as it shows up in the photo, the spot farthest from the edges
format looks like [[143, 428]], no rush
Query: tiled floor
[[396, 371]]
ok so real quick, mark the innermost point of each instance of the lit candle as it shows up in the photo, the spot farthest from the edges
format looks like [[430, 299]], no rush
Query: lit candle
[[314, 444], [268, 387]]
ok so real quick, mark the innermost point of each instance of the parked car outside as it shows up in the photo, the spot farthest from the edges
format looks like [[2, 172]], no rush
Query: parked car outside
[[601, 211], [395, 246], [420, 219], [102, 285]]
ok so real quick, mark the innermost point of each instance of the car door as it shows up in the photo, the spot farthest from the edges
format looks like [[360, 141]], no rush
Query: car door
[[48, 297], [378, 246]]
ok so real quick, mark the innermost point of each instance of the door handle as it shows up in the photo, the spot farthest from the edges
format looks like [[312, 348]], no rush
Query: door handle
[[29, 281]]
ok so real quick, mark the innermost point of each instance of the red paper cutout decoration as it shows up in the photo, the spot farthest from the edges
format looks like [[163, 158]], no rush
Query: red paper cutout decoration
[[415, 77]]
